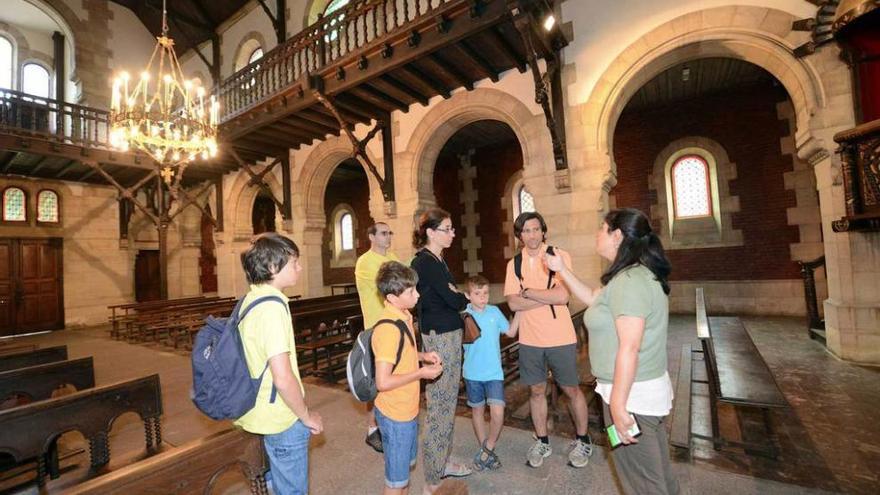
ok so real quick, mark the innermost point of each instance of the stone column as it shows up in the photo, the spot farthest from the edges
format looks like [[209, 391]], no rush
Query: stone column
[[470, 219]]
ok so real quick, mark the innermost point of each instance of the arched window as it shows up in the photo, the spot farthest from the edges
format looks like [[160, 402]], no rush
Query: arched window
[[6, 63], [14, 205], [346, 230], [526, 202], [691, 194], [332, 7], [47, 207], [255, 55], [35, 80]]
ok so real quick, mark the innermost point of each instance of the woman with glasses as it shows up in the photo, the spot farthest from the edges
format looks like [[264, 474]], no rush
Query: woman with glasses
[[440, 325]]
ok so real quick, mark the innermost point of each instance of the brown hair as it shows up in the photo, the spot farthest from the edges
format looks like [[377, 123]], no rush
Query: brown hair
[[430, 219], [477, 281]]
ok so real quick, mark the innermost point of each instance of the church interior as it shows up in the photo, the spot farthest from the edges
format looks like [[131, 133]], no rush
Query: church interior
[[144, 143]]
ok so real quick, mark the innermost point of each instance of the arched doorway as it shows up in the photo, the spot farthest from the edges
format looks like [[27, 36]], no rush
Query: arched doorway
[[707, 149], [471, 180], [347, 211], [263, 214]]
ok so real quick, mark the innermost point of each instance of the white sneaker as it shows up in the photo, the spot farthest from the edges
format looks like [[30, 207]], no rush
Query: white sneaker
[[537, 453]]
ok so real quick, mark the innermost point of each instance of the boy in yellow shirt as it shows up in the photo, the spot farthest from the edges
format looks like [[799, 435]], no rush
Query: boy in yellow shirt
[[272, 264], [397, 380]]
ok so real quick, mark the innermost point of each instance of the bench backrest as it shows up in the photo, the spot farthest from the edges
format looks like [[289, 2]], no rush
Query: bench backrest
[[38, 382], [33, 358], [704, 332], [191, 469], [28, 430]]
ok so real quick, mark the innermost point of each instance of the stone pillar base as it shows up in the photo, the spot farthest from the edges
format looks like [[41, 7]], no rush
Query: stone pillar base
[[852, 332]]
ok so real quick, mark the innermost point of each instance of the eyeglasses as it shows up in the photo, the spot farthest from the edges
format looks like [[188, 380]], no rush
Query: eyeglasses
[[385, 233], [448, 230]]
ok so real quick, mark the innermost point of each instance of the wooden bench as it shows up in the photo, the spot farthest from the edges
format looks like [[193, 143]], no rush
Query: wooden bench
[[39, 382], [31, 431], [32, 358], [6, 349], [737, 375], [193, 468]]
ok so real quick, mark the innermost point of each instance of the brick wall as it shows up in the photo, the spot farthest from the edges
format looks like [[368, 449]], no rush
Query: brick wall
[[355, 193], [745, 123], [495, 166]]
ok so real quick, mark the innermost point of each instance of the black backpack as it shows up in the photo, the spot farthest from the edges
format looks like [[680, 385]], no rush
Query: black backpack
[[517, 270], [360, 367]]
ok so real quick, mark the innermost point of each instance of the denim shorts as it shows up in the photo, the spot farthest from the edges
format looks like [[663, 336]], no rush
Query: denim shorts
[[288, 453], [400, 443], [481, 393]]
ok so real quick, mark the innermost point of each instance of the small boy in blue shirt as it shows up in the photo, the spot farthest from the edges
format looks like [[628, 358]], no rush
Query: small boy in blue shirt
[[483, 375]]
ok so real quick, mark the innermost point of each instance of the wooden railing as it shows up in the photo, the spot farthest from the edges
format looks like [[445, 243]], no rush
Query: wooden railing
[[359, 25], [808, 273], [860, 163], [21, 113]]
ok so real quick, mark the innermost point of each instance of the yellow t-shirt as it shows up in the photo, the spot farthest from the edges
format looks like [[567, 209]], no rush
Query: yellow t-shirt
[[265, 332], [400, 404], [538, 327], [365, 271]]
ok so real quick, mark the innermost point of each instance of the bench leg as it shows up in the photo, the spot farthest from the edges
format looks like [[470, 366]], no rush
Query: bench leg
[[99, 450], [52, 460], [717, 441], [771, 435]]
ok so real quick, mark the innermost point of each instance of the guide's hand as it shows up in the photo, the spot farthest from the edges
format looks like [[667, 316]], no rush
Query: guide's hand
[[432, 357], [554, 262], [623, 421], [431, 371]]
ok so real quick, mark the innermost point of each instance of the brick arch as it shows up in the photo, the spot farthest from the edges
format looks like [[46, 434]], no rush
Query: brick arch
[[761, 36], [463, 108]]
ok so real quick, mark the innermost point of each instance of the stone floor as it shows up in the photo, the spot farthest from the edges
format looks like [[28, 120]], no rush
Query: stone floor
[[828, 439]]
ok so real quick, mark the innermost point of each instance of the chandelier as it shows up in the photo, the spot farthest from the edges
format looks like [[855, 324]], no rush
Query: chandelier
[[162, 113]]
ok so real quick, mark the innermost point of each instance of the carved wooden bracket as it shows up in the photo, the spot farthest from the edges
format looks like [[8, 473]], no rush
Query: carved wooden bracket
[[860, 163]]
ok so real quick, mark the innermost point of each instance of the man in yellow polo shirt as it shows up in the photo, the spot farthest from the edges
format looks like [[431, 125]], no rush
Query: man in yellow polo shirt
[[372, 303], [272, 264]]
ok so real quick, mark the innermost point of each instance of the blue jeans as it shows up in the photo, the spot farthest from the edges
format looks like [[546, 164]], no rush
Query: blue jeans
[[480, 393], [400, 443], [288, 453]]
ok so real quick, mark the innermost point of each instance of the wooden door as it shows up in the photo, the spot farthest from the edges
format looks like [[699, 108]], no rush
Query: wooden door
[[147, 283], [31, 290]]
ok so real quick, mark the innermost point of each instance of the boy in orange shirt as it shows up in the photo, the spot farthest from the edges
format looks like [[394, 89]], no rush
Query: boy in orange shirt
[[397, 379]]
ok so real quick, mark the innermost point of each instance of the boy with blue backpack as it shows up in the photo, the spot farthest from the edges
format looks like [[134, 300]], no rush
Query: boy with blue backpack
[[397, 374], [280, 413], [482, 371]]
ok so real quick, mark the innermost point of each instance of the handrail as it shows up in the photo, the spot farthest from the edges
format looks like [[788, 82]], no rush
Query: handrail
[[55, 120], [808, 269], [354, 27]]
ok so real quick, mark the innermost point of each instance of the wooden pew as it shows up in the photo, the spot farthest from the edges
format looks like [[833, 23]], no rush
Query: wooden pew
[[190, 469], [6, 349], [327, 333], [140, 306], [39, 382], [33, 358], [737, 375], [31, 431]]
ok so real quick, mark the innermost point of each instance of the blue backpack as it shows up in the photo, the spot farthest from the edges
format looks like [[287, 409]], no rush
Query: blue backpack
[[222, 384]]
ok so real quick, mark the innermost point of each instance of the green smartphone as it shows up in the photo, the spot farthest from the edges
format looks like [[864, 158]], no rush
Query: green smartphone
[[614, 438]]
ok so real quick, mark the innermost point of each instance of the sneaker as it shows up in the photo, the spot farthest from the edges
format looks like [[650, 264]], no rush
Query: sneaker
[[579, 455], [374, 440], [537, 453]]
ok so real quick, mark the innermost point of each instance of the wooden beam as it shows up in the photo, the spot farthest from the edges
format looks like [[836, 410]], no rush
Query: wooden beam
[[365, 113], [403, 88], [260, 183], [286, 186], [90, 172], [501, 44], [318, 117], [41, 162], [388, 159], [482, 64], [218, 203], [41, 146], [309, 126], [445, 67], [377, 97], [427, 80], [178, 16], [282, 133], [66, 168], [7, 162]]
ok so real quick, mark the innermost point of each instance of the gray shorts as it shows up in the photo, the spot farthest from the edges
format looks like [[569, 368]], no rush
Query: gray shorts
[[562, 361]]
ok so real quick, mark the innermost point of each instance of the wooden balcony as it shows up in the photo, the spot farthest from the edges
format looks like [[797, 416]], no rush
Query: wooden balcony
[[372, 58], [860, 162], [51, 139]]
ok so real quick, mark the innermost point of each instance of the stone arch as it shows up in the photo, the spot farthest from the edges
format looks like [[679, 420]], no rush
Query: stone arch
[[242, 196], [761, 36], [249, 42], [463, 108], [68, 23]]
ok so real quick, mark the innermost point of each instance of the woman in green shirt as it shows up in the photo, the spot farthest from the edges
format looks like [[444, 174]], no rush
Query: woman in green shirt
[[627, 321]]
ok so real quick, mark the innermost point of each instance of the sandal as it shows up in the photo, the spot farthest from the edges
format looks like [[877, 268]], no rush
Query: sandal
[[486, 459], [456, 470]]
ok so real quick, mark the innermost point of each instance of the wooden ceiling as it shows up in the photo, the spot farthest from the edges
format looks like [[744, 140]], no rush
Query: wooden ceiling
[[479, 134], [190, 22], [697, 78]]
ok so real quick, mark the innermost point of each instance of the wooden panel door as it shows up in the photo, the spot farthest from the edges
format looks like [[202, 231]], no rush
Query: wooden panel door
[[31, 290], [147, 285]]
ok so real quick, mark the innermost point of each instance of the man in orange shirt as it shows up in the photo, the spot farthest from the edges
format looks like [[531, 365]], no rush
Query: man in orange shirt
[[546, 337]]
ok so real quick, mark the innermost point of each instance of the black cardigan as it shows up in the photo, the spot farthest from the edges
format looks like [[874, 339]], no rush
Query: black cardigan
[[439, 307]]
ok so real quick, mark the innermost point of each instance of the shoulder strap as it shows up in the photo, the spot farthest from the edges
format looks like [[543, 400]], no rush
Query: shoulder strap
[[517, 267], [550, 276], [404, 330], [257, 302]]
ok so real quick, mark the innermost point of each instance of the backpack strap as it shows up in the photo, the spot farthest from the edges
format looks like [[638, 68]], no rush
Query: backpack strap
[[256, 302], [550, 279], [517, 270], [404, 330]]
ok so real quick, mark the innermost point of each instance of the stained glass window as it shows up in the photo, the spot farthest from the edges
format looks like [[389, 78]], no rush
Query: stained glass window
[[255, 55], [5, 63], [690, 186], [332, 7], [526, 201], [347, 230], [14, 205], [47, 207]]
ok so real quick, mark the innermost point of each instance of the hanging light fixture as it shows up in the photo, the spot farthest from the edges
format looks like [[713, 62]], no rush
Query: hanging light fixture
[[163, 114]]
